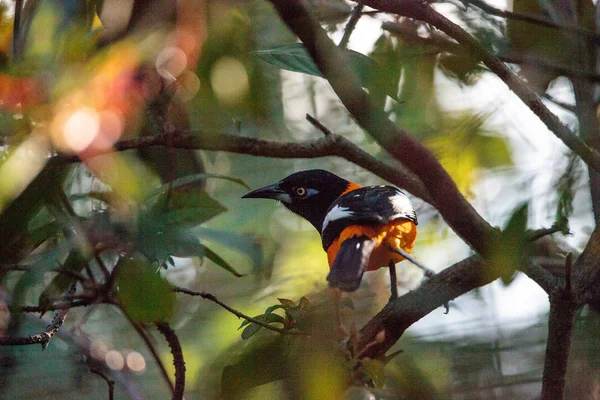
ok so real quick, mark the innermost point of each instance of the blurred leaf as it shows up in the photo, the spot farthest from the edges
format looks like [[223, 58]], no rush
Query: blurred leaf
[[509, 252], [245, 244], [375, 370], [189, 207], [387, 79], [270, 359], [217, 259], [294, 57], [566, 187], [61, 282], [144, 294], [463, 145], [461, 67], [16, 216], [191, 179]]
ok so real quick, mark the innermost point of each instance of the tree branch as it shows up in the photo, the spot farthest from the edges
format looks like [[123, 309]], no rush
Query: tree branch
[[424, 12], [110, 382], [213, 298], [42, 338], [560, 329], [398, 315], [332, 63], [143, 334], [178, 360], [332, 145], [356, 14]]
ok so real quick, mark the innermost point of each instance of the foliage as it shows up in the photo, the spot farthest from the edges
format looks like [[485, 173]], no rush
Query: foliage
[[109, 211]]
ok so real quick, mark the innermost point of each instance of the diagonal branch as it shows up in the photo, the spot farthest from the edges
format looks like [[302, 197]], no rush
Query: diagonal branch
[[422, 11]]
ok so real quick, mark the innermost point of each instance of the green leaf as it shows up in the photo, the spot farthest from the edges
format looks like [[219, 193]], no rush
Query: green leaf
[[510, 251], [195, 178], [244, 244], [294, 57], [16, 216], [267, 313], [252, 328], [190, 207], [217, 259], [144, 294]]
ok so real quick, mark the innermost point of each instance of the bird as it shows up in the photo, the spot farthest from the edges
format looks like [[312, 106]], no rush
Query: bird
[[362, 228]]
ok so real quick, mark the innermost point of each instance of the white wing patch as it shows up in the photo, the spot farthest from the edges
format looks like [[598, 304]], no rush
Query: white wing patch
[[401, 204], [336, 212]]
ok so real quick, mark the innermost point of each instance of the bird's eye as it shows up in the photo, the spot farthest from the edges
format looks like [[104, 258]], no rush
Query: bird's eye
[[300, 191]]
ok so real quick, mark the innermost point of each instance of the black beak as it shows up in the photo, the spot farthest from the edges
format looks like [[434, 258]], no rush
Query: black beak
[[269, 192]]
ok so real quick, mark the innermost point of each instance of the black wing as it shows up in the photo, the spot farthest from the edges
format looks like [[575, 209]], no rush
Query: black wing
[[368, 205]]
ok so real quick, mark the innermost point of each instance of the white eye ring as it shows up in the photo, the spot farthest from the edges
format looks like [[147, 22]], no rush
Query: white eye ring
[[301, 192]]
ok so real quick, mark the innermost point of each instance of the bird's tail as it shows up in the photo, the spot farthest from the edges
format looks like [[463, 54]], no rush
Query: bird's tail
[[350, 263]]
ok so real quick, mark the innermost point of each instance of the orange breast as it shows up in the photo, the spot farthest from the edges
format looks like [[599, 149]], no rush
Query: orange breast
[[400, 233]]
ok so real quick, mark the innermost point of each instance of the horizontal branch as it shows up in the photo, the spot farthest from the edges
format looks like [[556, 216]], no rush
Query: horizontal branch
[[331, 145]]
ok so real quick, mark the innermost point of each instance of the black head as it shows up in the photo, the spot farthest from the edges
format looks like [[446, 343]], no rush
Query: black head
[[306, 193]]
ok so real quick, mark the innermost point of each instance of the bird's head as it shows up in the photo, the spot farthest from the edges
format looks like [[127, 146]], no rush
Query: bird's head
[[306, 193]]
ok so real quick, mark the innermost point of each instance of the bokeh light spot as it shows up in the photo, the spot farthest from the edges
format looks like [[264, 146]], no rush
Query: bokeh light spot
[[81, 129], [114, 360], [229, 80], [136, 362], [98, 350], [171, 62], [188, 86]]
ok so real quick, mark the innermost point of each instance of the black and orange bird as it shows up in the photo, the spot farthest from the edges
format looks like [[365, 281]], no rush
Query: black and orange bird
[[362, 228]]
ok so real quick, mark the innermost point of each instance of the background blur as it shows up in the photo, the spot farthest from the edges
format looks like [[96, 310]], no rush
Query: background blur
[[85, 74]]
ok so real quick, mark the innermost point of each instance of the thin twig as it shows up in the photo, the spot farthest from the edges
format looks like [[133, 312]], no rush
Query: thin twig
[[211, 297], [140, 330], [356, 14], [317, 124], [44, 337], [178, 360], [110, 382]]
